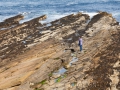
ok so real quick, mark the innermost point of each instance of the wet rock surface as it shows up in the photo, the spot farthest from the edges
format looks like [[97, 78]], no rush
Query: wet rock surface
[[36, 56]]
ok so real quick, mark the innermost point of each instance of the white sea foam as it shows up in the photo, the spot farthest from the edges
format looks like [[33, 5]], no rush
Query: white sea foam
[[71, 3], [2, 18], [91, 14], [55, 9], [51, 18], [116, 15], [58, 16]]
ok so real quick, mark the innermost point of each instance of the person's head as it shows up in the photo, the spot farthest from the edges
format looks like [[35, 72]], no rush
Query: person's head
[[80, 37]]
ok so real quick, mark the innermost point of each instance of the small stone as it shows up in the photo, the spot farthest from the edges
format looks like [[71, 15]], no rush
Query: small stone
[[67, 66], [55, 75], [31, 83]]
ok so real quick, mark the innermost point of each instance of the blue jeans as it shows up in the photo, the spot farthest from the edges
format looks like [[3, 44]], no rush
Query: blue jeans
[[80, 47]]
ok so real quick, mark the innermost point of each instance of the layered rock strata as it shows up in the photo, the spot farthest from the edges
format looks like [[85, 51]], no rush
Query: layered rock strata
[[31, 53], [18, 53]]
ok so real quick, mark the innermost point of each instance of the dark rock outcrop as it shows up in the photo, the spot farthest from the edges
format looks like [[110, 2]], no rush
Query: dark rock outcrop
[[11, 22]]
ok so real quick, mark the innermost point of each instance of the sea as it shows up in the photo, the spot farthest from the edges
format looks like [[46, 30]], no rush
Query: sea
[[55, 9]]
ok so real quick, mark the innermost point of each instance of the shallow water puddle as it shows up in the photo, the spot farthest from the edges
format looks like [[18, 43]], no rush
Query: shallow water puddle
[[62, 70], [74, 59], [59, 74]]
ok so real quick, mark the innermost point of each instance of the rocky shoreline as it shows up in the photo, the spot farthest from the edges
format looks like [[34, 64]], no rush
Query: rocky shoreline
[[36, 56]]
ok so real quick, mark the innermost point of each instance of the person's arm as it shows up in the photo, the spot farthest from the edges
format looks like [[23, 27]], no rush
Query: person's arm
[[79, 42]]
